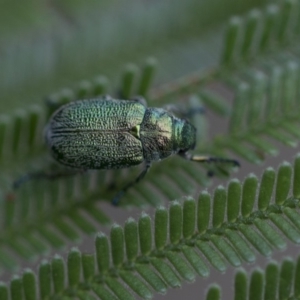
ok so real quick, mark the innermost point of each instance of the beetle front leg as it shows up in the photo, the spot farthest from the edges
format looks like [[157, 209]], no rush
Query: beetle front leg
[[44, 175], [118, 197], [208, 159]]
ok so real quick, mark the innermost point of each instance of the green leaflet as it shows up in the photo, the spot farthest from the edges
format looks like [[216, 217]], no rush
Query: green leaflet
[[276, 281]]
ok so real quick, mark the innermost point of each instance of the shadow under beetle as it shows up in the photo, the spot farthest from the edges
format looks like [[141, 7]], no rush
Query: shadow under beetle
[[106, 133]]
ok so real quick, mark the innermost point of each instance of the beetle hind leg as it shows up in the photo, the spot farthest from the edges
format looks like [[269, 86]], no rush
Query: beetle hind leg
[[117, 198]]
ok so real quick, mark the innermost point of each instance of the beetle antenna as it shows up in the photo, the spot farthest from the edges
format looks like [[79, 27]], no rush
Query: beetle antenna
[[117, 198]]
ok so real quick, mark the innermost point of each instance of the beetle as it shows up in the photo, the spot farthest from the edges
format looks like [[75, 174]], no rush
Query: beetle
[[106, 133]]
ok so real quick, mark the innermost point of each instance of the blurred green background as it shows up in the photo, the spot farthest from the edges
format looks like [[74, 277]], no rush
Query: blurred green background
[[48, 45]]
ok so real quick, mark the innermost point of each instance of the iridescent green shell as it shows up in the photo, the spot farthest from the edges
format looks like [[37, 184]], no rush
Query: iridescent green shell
[[106, 134], [96, 134]]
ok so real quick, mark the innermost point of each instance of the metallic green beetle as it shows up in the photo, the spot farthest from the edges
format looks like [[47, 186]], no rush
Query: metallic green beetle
[[105, 133]]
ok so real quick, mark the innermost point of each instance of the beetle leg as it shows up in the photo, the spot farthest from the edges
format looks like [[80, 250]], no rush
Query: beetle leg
[[44, 175], [216, 160], [194, 111], [183, 112], [118, 197], [107, 97], [208, 159], [140, 100]]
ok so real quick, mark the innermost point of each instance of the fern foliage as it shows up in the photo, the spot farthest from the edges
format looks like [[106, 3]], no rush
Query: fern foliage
[[255, 89], [180, 243], [276, 281], [265, 106]]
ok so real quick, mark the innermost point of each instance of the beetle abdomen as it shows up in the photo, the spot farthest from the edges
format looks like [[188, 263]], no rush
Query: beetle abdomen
[[98, 114], [96, 134], [96, 150]]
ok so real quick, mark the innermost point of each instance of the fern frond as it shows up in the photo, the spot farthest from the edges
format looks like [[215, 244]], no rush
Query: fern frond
[[47, 216], [257, 41], [183, 241], [264, 107], [255, 88], [53, 204], [271, 30], [274, 282]]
